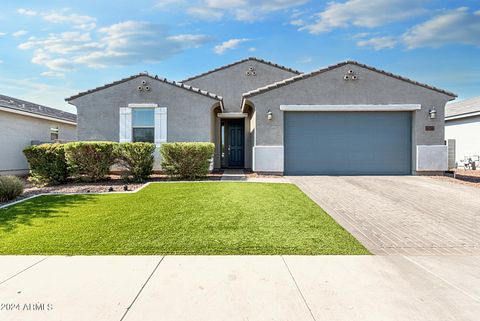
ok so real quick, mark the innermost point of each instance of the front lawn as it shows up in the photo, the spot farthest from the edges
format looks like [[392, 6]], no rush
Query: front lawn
[[176, 218]]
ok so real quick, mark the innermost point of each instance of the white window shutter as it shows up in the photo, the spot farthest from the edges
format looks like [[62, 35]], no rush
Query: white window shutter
[[160, 125], [125, 129]]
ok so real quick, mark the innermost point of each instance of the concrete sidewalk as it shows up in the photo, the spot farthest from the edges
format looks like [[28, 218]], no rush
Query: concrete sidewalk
[[240, 288]]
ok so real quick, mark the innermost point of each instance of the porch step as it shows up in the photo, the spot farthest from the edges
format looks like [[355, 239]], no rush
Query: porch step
[[234, 175]]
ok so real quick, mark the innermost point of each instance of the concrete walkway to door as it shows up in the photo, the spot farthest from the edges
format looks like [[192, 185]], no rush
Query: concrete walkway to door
[[406, 215]]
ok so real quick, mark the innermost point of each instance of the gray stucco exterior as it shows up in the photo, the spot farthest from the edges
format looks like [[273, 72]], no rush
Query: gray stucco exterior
[[189, 113], [330, 88], [251, 89], [231, 82]]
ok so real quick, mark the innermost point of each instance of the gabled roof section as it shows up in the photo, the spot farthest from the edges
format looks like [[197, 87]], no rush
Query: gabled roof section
[[36, 109], [164, 80], [317, 72], [461, 109], [242, 61]]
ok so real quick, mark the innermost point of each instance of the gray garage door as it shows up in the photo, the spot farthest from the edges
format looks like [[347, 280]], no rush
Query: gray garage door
[[347, 143]]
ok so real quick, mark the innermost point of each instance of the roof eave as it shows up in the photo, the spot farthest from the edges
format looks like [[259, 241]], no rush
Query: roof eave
[[164, 80], [293, 79], [239, 62]]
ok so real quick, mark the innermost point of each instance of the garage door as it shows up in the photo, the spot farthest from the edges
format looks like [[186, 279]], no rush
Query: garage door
[[347, 143]]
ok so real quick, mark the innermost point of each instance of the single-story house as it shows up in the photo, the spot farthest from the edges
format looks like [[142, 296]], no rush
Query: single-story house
[[22, 122], [345, 119], [462, 123]]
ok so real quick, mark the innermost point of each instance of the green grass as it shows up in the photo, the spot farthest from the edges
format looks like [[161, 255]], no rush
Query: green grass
[[176, 218]]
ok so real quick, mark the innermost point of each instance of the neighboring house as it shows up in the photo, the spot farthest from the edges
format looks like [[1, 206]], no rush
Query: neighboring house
[[346, 119], [22, 122], [462, 123]]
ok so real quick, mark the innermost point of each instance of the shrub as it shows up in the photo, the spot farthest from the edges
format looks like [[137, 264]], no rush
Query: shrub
[[90, 161], [47, 164], [186, 160], [10, 188], [137, 159]]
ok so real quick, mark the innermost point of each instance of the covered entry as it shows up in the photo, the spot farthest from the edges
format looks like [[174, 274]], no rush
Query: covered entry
[[347, 143], [232, 142]]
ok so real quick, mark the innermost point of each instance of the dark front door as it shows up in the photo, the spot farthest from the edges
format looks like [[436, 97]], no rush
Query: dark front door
[[236, 144]]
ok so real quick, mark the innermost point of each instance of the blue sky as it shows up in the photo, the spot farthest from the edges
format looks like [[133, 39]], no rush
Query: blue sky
[[52, 50]]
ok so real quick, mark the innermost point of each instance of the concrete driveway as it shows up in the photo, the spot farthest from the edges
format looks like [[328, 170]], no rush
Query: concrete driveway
[[210, 288], [406, 215]]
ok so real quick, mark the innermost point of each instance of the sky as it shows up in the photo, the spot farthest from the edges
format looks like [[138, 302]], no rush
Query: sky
[[54, 49]]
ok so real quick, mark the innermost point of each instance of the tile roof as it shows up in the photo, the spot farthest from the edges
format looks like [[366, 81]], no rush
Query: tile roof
[[316, 72], [463, 108], [165, 80], [36, 109], [241, 61]]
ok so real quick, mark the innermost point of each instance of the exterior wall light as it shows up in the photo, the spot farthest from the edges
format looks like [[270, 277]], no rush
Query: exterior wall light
[[269, 115], [432, 113]]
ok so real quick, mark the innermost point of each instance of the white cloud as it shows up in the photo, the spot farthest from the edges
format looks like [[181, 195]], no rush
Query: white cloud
[[242, 10], [78, 21], [252, 49], [298, 22], [205, 13], [125, 43], [456, 26], [378, 43], [63, 16], [19, 33], [1, 61], [41, 57], [54, 74], [26, 12], [164, 4], [2, 34], [363, 13], [228, 45]]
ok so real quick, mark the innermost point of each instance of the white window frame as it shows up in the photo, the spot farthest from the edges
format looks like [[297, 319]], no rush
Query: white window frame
[[54, 129], [152, 106]]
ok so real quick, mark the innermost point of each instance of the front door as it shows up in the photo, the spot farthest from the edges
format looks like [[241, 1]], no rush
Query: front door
[[236, 142]]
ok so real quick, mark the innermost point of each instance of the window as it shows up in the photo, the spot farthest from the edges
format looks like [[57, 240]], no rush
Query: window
[[54, 133], [143, 125]]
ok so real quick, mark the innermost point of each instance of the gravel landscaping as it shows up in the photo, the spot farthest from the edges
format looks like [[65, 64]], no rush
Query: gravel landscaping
[[463, 177], [113, 184]]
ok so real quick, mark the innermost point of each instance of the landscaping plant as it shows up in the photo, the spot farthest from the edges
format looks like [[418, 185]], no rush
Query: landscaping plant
[[136, 159], [186, 160], [10, 188], [47, 164], [90, 161]]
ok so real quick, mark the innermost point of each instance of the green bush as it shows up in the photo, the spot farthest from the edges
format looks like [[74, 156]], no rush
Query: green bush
[[10, 188], [137, 160], [90, 161], [186, 160], [47, 164]]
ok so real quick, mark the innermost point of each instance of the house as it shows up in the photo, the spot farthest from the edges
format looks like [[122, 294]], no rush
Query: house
[[462, 123], [22, 122], [345, 119]]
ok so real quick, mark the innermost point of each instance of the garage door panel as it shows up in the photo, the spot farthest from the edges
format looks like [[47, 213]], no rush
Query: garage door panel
[[347, 143]]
